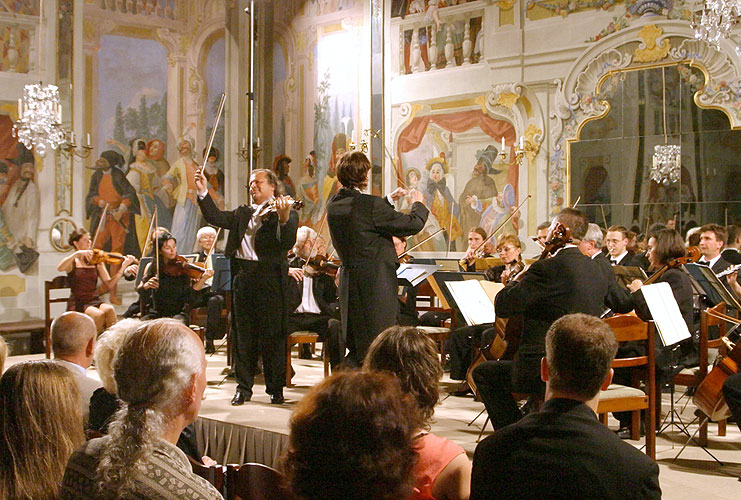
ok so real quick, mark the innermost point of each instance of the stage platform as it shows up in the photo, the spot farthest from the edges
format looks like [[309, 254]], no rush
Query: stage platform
[[258, 432]]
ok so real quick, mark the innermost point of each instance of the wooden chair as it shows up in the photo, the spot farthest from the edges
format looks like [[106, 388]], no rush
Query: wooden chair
[[624, 398], [256, 482], [303, 337], [693, 376], [199, 315], [214, 474], [58, 283]]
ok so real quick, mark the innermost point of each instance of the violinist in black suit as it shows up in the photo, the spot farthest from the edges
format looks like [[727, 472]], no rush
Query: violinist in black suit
[[567, 282], [361, 226], [563, 451], [312, 295], [259, 239], [712, 241], [616, 240]]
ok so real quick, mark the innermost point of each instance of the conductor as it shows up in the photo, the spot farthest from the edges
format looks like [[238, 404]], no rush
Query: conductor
[[362, 226]]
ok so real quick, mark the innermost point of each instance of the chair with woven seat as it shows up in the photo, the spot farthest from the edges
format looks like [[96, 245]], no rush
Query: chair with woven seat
[[629, 328], [253, 481], [58, 283], [691, 377], [304, 337]]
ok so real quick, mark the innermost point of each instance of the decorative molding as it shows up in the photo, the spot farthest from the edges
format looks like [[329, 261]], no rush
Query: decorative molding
[[650, 50]]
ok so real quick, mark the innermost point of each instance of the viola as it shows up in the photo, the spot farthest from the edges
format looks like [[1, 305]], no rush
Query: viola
[[322, 264], [103, 257], [180, 266]]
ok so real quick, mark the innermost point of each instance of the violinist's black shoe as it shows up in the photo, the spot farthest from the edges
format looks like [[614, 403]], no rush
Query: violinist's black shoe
[[277, 398], [210, 348], [240, 397]]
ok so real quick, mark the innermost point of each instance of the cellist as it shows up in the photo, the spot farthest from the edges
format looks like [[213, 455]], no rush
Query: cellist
[[566, 282]]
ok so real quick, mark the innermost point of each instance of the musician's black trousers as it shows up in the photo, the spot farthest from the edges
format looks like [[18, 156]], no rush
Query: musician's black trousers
[[732, 393], [460, 347], [214, 303], [258, 313], [327, 328]]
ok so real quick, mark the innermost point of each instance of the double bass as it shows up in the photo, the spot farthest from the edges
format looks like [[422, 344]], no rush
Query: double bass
[[506, 341]]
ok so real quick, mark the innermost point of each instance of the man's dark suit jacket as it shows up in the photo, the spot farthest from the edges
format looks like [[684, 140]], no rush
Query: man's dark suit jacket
[[325, 291], [618, 299], [629, 260], [570, 282], [361, 226], [720, 265], [562, 452]]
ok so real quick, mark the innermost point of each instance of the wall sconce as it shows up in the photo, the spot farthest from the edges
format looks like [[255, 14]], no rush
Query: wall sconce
[[524, 148], [363, 141], [69, 148], [244, 154]]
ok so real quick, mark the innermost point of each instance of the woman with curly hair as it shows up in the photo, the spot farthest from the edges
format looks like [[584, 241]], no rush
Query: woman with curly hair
[[40, 427], [352, 437], [443, 470]]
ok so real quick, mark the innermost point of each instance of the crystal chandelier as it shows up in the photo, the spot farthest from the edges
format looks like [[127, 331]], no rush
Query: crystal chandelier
[[39, 124], [667, 160], [667, 164], [716, 20]]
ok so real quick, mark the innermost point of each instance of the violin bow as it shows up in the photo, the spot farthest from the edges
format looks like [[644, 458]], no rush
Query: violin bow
[[399, 177], [156, 246], [500, 226], [211, 250], [100, 224], [576, 202], [423, 241], [213, 133], [148, 241], [318, 233]]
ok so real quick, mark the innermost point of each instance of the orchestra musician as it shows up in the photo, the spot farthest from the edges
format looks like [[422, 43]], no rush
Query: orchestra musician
[[567, 282], [260, 235], [361, 226], [616, 241], [712, 240], [83, 280], [167, 286], [312, 295], [476, 237], [206, 297], [407, 293], [463, 340]]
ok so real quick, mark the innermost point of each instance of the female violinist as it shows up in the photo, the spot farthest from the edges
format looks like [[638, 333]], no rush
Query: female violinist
[[509, 249], [83, 276], [167, 286]]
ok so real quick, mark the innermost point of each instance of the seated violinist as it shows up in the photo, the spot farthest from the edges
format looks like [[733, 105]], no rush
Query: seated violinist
[[475, 250], [407, 293], [463, 340], [312, 294], [83, 269], [167, 287], [206, 297]]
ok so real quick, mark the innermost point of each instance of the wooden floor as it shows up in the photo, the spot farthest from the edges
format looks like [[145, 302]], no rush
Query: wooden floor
[[694, 475]]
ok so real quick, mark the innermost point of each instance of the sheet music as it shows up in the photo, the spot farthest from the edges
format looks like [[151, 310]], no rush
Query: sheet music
[[415, 273], [472, 299], [665, 312]]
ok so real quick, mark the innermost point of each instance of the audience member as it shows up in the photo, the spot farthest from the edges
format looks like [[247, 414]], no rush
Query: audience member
[[443, 470], [160, 374], [73, 343], [352, 437], [40, 426], [529, 457], [3, 354]]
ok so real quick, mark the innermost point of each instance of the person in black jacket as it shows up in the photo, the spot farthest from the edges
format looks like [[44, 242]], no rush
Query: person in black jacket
[[312, 295], [564, 451], [567, 282], [616, 241], [361, 226], [618, 298], [258, 241]]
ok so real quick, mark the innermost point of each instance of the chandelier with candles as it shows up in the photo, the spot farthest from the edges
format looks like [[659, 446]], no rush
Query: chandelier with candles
[[39, 124]]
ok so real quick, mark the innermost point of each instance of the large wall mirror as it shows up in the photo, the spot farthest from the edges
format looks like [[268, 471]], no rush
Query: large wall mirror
[[611, 162]]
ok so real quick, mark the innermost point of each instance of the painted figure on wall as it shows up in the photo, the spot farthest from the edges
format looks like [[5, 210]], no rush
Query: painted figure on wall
[[308, 191], [214, 177], [109, 186], [165, 203], [439, 199], [180, 184], [480, 189], [143, 178], [338, 149], [281, 167]]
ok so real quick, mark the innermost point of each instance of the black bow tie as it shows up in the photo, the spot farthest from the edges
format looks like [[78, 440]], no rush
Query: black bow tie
[[613, 262], [433, 186], [703, 263]]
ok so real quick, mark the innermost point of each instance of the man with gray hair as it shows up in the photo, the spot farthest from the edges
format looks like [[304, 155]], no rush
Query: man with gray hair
[[160, 372], [575, 456], [73, 342], [618, 299]]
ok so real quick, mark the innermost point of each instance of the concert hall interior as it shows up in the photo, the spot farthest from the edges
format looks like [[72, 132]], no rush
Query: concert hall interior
[[291, 178]]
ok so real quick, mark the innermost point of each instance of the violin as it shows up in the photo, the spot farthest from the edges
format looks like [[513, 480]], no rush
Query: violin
[[180, 266], [271, 206], [322, 264], [103, 257]]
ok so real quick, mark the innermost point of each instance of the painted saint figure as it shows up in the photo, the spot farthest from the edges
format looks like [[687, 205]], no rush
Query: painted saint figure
[[180, 184]]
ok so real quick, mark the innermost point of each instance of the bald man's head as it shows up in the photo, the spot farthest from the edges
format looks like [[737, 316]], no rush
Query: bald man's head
[[71, 333]]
